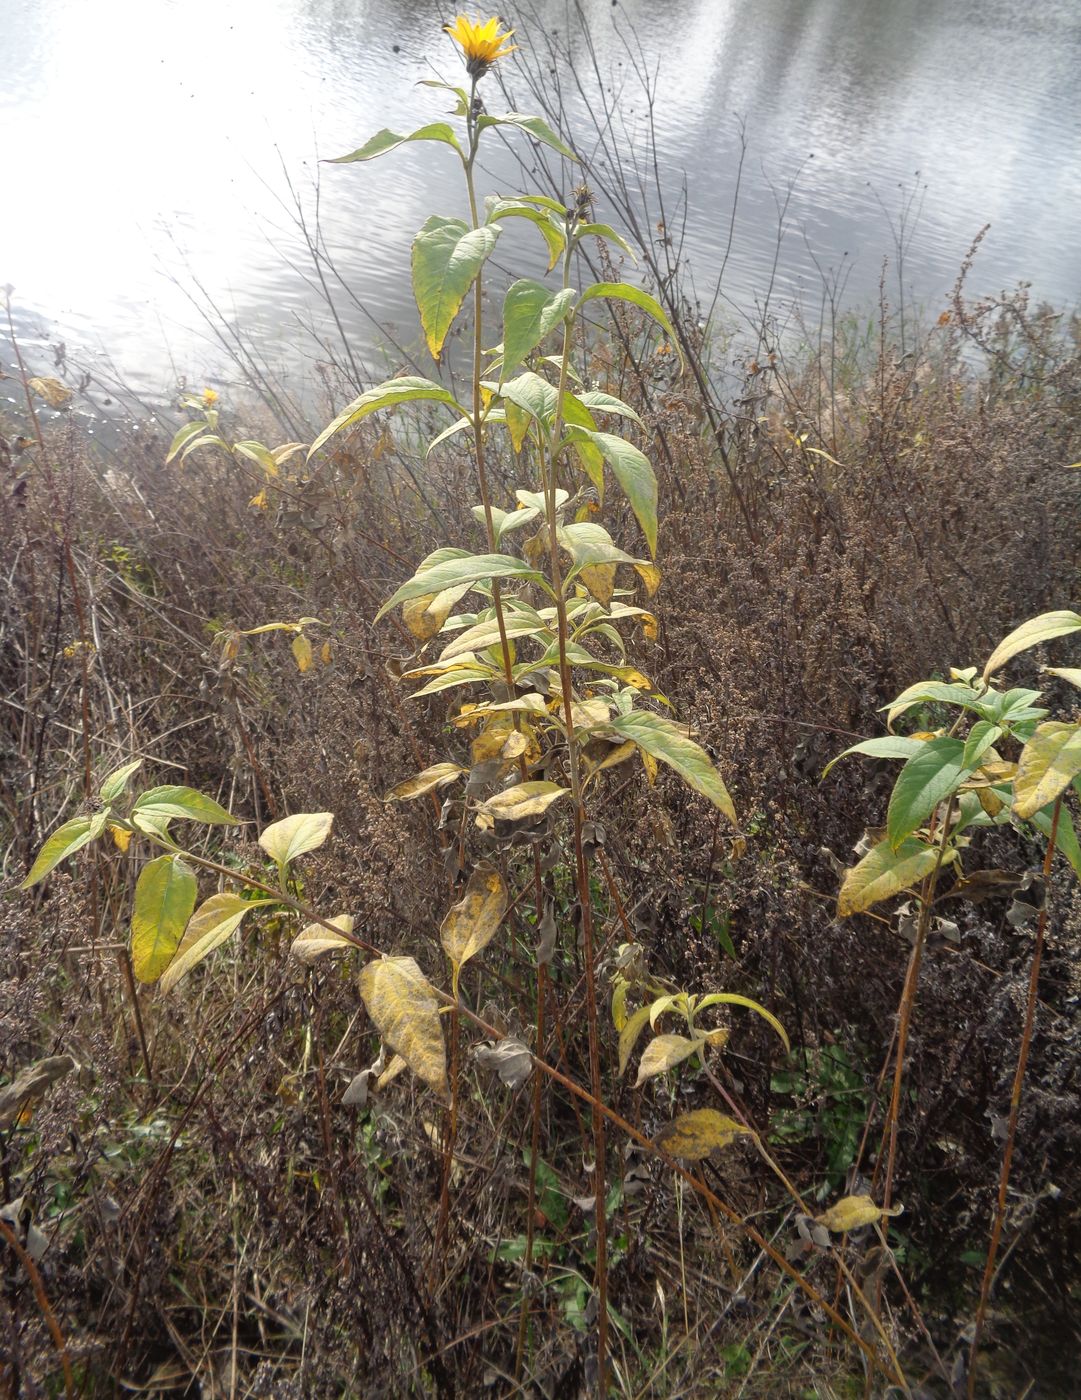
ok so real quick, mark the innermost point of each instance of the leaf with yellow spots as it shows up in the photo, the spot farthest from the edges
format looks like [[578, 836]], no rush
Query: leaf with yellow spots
[[405, 1009], [471, 924], [693, 1136]]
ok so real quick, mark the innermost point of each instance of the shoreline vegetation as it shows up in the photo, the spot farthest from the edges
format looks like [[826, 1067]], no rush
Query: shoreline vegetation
[[232, 1186]]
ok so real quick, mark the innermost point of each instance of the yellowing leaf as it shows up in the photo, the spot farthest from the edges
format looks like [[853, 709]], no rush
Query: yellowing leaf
[[164, 898], [259, 501], [632, 1028], [326, 654], [55, 394], [424, 616], [471, 924], [30, 1083], [884, 872], [663, 1052], [650, 576], [1048, 764], [523, 800], [693, 1136], [121, 838], [209, 927], [315, 940], [439, 775], [404, 1007], [1072, 674], [64, 842], [1030, 634], [283, 841], [600, 579], [853, 1212], [302, 653]]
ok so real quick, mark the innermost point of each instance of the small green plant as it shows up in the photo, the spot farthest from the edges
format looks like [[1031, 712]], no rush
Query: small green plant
[[1000, 762]]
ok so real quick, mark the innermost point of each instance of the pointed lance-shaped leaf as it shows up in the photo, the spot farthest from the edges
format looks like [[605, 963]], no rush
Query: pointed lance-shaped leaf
[[624, 291], [64, 842], [1037, 629], [470, 569], [211, 924], [386, 140], [928, 778], [405, 389], [437, 776], [534, 126], [660, 738], [315, 940]]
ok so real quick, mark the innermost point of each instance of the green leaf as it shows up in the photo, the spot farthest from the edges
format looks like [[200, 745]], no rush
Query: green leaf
[[588, 543], [660, 738], [447, 256], [283, 841], [117, 781], [184, 435], [887, 746], [623, 291], [532, 394], [635, 475], [982, 736], [1066, 842], [1030, 634], [209, 927], [184, 803], [551, 230], [927, 779], [734, 999], [385, 140], [64, 842], [608, 232], [606, 403], [538, 129], [883, 872], [1048, 764], [164, 899], [924, 692], [470, 568], [530, 312], [404, 1007], [391, 392]]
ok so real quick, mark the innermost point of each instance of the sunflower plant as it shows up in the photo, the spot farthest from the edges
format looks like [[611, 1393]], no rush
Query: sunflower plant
[[527, 640]]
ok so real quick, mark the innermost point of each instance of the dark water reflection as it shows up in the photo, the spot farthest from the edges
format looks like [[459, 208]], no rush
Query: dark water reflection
[[149, 143]]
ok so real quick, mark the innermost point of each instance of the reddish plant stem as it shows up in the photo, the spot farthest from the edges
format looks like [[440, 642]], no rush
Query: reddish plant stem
[[1015, 1108]]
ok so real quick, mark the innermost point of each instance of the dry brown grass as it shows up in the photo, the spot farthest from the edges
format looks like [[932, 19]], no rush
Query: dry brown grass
[[227, 1226]]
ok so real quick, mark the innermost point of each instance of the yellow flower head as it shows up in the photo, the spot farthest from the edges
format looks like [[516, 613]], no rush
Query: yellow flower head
[[210, 397], [481, 44]]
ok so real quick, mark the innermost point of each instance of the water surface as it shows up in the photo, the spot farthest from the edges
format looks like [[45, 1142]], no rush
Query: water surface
[[158, 154]]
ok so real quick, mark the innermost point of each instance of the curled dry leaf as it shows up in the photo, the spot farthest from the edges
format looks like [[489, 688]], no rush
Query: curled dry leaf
[[55, 394], [30, 1083], [439, 775], [853, 1212], [510, 1059], [315, 940], [404, 1006], [693, 1136]]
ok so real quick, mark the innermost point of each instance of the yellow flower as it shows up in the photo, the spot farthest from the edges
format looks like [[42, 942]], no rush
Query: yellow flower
[[481, 44], [210, 397]]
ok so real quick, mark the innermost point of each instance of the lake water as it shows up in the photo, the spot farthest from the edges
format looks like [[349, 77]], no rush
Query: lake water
[[152, 150]]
